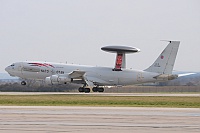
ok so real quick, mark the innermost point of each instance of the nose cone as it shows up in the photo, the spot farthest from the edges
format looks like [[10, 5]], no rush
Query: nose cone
[[7, 69]]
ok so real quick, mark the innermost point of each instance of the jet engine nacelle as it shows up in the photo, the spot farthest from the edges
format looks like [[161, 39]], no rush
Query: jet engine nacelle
[[58, 79]]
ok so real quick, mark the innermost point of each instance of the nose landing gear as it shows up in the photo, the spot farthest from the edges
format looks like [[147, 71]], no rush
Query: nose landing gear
[[23, 83]]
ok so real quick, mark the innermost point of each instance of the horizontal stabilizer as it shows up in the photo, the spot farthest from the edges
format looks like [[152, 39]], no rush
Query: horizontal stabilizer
[[185, 74]]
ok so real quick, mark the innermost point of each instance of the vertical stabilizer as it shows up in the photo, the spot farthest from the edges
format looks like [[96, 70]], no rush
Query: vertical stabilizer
[[165, 62]]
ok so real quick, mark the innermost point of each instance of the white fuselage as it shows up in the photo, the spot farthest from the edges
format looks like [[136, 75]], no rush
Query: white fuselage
[[94, 77], [102, 76]]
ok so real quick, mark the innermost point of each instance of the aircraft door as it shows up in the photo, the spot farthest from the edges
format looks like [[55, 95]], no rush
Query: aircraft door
[[20, 67]]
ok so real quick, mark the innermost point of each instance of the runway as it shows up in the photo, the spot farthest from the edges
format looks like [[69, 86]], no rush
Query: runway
[[103, 94], [49, 119]]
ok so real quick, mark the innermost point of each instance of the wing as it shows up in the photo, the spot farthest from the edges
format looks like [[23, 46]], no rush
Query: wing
[[90, 81], [76, 74]]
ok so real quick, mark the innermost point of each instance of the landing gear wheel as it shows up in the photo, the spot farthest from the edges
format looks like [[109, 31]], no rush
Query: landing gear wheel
[[87, 90], [81, 89], [95, 89], [23, 83], [100, 89]]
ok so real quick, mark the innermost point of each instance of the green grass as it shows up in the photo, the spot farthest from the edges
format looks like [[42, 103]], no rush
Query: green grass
[[91, 100]]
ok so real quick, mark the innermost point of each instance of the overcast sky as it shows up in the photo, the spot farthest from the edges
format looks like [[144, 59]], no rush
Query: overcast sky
[[75, 30]]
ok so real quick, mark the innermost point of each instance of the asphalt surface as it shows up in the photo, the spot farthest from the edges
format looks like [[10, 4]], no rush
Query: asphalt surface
[[102, 94], [50, 119]]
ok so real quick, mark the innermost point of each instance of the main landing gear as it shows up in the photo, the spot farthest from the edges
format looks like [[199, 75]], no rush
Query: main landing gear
[[97, 89], [94, 89], [82, 89]]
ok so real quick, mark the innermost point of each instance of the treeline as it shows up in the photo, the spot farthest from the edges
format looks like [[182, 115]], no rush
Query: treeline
[[154, 89], [40, 87], [17, 87]]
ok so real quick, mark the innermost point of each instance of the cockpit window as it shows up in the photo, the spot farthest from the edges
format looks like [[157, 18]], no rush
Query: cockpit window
[[12, 65]]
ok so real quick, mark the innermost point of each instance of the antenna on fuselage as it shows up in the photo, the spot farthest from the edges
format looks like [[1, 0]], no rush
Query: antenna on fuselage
[[121, 52]]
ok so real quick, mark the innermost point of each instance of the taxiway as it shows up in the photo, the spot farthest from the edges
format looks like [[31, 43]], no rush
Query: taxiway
[[29, 119]]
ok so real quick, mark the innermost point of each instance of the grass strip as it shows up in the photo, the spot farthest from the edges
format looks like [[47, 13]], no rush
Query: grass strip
[[90, 100]]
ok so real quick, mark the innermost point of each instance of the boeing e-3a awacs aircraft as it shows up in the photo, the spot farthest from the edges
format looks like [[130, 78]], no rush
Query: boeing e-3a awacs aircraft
[[97, 77]]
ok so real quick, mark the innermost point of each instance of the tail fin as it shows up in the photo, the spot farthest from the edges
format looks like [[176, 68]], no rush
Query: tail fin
[[165, 62]]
